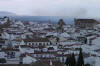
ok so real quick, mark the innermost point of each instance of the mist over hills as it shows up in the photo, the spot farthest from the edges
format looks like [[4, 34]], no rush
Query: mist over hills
[[4, 13], [52, 19], [46, 19]]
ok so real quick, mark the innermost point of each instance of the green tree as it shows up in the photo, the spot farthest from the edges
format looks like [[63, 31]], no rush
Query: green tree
[[2, 60], [73, 60], [69, 61], [80, 61], [57, 39]]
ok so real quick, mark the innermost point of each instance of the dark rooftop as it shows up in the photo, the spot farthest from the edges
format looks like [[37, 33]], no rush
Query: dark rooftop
[[37, 40]]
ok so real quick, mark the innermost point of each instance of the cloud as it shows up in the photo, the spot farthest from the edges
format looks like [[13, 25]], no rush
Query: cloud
[[70, 8]]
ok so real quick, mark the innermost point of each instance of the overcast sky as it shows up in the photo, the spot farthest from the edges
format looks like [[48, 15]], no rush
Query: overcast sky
[[70, 8]]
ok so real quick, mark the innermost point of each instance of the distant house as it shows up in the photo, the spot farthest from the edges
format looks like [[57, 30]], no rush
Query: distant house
[[4, 22], [27, 59], [82, 39], [13, 35], [37, 42], [17, 42], [11, 53], [85, 23]]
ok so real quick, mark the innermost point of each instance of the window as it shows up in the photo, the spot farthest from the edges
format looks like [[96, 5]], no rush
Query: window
[[29, 43], [43, 43], [32, 43], [36, 43], [40, 43], [47, 44]]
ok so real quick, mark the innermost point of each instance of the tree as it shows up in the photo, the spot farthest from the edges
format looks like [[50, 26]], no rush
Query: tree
[[67, 62], [57, 39], [80, 61], [70, 61], [2, 60], [73, 60]]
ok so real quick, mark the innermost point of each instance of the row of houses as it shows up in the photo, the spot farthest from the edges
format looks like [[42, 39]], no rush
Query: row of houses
[[26, 43]]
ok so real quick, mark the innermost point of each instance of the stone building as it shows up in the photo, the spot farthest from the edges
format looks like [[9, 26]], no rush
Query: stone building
[[60, 28], [85, 23]]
